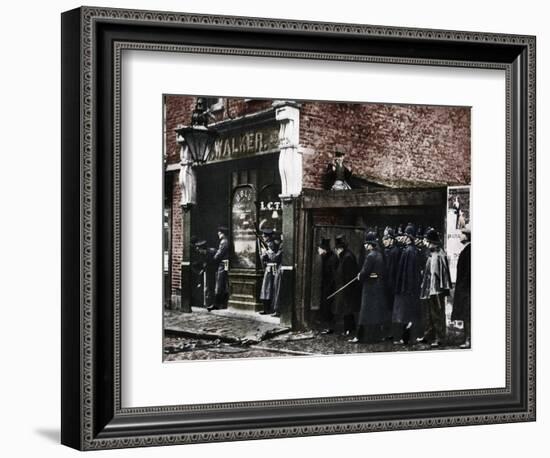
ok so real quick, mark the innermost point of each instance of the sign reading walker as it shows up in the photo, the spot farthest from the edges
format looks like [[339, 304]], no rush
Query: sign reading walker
[[243, 143]]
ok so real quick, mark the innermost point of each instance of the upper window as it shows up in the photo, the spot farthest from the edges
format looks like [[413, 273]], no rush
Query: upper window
[[214, 103]]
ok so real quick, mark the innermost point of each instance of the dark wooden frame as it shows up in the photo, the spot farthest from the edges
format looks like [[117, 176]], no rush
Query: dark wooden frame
[[92, 417]]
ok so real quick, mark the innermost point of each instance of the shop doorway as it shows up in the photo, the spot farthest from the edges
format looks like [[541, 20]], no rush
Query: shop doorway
[[242, 195]]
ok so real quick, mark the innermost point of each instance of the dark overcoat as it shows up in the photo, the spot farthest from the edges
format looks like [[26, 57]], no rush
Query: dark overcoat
[[346, 302], [406, 305], [329, 265], [461, 302], [276, 301], [271, 260], [221, 255], [392, 255], [374, 301]]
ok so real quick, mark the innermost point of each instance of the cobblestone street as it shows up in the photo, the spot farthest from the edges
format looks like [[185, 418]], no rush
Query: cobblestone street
[[224, 334]]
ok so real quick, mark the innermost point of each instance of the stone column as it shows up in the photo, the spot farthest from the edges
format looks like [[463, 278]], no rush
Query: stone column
[[290, 169], [188, 185], [186, 280], [290, 158], [288, 266]]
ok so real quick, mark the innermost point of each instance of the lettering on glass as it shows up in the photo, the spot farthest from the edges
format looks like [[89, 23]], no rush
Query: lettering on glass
[[243, 218], [270, 208]]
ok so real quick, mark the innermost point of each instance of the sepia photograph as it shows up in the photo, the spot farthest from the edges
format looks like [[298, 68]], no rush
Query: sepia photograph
[[314, 228]]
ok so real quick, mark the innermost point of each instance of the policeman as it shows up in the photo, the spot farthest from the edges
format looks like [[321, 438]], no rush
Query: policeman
[[374, 305], [202, 267], [436, 285], [221, 260], [392, 255], [344, 305], [422, 247], [407, 312], [276, 302], [269, 254], [329, 265]]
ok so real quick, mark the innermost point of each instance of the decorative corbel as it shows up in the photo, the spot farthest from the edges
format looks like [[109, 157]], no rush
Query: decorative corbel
[[187, 177], [290, 157]]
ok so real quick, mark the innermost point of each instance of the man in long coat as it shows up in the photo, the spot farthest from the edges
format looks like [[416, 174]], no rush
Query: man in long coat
[[276, 301], [202, 270], [461, 300], [329, 265], [221, 261], [374, 301], [436, 285], [423, 254], [407, 312], [345, 302], [392, 255], [422, 248]]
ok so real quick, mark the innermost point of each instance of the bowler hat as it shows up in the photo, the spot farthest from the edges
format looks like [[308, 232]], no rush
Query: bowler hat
[[223, 229], [267, 231]]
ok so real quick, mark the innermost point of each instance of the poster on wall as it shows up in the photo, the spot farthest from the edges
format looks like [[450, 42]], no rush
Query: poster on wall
[[458, 217]]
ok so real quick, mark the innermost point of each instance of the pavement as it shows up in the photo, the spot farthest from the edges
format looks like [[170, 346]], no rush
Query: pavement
[[223, 334], [227, 325]]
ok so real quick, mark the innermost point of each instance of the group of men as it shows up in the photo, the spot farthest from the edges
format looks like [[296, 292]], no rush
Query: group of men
[[396, 290], [218, 258]]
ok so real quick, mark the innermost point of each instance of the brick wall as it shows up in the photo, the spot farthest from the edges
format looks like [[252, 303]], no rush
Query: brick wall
[[177, 233], [391, 144], [178, 111], [180, 107], [396, 145]]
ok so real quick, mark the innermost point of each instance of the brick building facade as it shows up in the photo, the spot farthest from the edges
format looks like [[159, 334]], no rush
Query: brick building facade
[[405, 156]]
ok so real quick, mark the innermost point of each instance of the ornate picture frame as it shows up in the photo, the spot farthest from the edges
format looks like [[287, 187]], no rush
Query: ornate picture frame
[[93, 416]]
